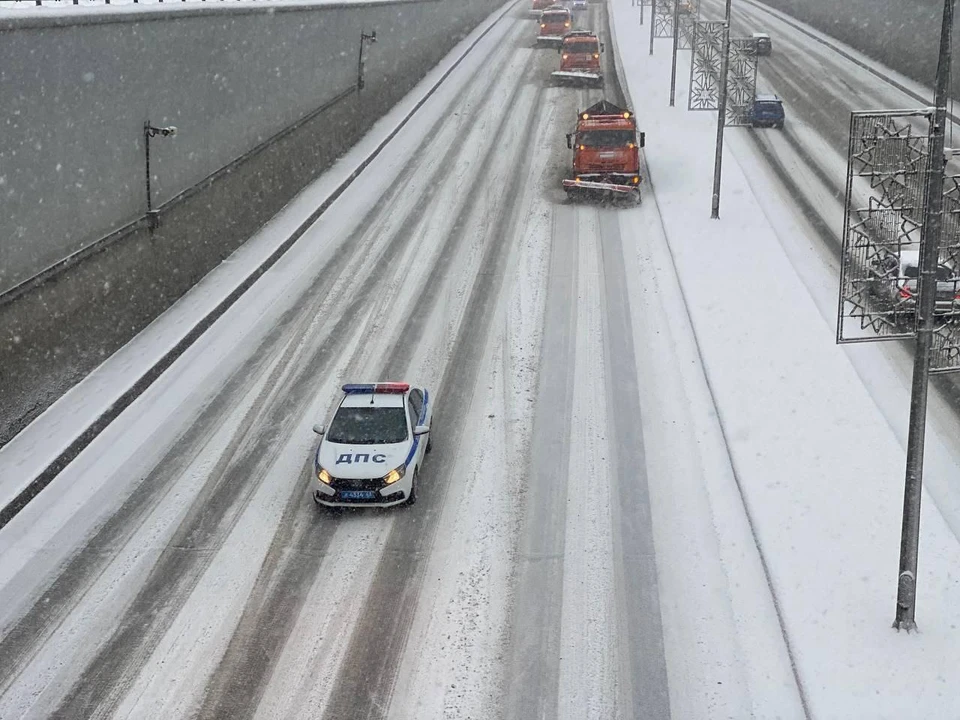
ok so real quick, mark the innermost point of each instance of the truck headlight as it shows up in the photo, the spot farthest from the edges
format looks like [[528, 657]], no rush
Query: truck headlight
[[323, 476], [391, 477]]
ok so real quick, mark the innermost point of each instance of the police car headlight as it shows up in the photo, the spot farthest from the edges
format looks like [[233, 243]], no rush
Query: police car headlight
[[391, 477], [323, 476]]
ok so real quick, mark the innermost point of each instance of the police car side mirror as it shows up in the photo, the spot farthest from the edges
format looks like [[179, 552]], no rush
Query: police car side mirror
[[318, 429], [643, 139], [569, 144], [421, 430]]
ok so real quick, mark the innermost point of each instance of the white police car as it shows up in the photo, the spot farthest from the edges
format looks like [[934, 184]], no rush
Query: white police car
[[373, 449]]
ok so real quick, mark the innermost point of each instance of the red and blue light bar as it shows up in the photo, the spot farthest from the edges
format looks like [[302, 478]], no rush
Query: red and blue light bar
[[370, 388]]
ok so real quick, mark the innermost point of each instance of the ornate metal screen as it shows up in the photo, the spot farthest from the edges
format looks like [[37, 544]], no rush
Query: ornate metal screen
[[946, 337], [705, 73], [886, 171], [663, 19], [705, 66], [741, 80], [688, 28]]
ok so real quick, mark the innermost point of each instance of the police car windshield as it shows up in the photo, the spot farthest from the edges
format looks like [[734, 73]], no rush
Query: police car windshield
[[368, 425], [605, 138], [581, 48]]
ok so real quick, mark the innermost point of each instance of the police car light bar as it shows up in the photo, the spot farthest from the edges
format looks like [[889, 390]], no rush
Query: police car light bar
[[369, 388]]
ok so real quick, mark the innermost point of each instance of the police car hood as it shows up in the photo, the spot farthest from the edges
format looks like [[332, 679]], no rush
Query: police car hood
[[360, 462]]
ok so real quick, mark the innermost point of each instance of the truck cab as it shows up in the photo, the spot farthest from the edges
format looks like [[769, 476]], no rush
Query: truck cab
[[580, 59], [606, 155], [555, 22]]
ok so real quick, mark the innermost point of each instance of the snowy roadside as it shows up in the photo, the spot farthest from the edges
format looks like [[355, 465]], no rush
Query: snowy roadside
[[26, 456], [818, 465]]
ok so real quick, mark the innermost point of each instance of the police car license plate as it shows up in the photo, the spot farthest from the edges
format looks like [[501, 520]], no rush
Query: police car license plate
[[357, 494]]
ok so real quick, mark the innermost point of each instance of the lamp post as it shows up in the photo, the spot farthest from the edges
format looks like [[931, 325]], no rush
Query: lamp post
[[676, 45], [905, 618], [150, 131], [722, 115], [364, 38]]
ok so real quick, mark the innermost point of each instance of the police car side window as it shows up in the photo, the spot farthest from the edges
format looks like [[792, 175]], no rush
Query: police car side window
[[416, 399], [413, 415]]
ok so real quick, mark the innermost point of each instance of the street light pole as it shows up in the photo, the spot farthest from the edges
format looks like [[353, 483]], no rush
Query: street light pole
[[676, 44], [930, 239], [653, 22], [722, 115], [364, 38], [149, 131]]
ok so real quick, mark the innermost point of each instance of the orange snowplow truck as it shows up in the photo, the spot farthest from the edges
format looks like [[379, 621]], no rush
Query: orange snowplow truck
[[555, 22], [606, 156], [580, 59]]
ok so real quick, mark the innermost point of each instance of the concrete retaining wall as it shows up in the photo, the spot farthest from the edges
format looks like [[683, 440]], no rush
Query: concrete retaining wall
[[76, 91]]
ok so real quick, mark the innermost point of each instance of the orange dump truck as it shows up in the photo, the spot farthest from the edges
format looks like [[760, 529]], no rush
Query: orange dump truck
[[555, 22], [606, 155], [580, 59]]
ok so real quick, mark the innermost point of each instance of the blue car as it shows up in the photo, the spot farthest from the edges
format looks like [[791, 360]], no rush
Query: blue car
[[767, 112]]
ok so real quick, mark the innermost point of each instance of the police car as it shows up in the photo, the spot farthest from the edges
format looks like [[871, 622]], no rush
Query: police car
[[372, 451]]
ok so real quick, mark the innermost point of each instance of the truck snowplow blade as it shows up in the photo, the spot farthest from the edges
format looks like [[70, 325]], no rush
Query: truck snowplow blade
[[575, 76], [586, 187], [549, 40]]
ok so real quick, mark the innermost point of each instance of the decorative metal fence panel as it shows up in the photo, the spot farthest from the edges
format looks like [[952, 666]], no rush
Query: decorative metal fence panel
[[946, 337], [705, 66], [887, 166], [741, 81], [688, 27], [705, 73], [663, 19]]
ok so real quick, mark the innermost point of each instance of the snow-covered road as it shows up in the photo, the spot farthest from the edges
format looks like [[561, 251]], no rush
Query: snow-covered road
[[179, 568], [616, 520]]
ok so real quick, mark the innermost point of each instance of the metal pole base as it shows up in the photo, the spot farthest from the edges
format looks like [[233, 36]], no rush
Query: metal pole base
[[908, 625], [153, 219], [906, 603]]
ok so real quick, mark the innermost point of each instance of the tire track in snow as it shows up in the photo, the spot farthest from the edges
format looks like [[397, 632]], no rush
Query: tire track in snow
[[242, 677], [643, 686], [533, 666], [589, 644], [366, 681]]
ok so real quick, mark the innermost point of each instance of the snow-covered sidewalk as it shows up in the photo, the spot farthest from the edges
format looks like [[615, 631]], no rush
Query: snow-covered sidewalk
[[819, 467]]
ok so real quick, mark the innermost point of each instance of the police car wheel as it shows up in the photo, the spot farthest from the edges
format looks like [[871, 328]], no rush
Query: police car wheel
[[429, 444], [412, 497]]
